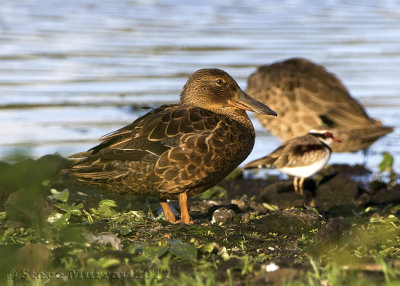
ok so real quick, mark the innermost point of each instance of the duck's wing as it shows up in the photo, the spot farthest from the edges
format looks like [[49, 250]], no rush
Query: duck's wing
[[164, 142], [307, 92], [152, 134]]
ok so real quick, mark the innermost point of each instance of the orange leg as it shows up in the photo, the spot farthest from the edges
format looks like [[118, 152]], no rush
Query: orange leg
[[185, 217], [169, 215], [301, 186], [296, 185]]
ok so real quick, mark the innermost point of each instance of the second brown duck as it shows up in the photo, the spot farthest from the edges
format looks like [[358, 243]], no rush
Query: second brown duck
[[307, 96]]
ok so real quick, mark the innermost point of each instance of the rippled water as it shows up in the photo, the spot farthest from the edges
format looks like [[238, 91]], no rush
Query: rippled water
[[71, 71]]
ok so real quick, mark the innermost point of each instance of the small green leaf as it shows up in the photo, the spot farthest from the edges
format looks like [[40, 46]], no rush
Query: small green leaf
[[375, 219], [3, 215], [174, 242], [105, 262], [74, 210], [236, 173], [224, 253], [155, 251], [387, 162], [270, 207], [107, 203], [59, 196], [184, 251], [139, 259], [62, 221], [54, 216], [89, 217], [105, 212], [122, 229], [393, 218], [209, 247], [105, 209], [215, 192]]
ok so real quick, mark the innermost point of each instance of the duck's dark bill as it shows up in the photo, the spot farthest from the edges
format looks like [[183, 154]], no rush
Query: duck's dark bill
[[244, 101]]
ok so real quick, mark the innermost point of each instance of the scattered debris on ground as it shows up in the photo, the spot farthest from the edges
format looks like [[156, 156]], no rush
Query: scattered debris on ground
[[246, 231]]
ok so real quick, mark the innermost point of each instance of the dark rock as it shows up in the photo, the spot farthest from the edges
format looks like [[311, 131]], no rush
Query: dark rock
[[282, 194], [30, 175], [385, 196], [25, 209], [377, 185], [245, 204], [5, 192], [363, 199], [231, 264], [8, 259], [258, 207], [333, 230], [345, 210], [56, 162], [337, 190], [34, 257], [204, 207], [222, 215], [357, 169], [250, 187], [290, 222]]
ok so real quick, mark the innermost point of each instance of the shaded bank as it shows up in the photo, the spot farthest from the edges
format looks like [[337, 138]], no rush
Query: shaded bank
[[254, 231]]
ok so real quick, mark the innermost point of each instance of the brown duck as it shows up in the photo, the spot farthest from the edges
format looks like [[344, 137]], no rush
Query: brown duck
[[300, 157], [306, 96], [180, 150]]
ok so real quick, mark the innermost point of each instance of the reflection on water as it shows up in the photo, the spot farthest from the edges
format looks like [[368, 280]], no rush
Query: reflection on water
[[71, 70]]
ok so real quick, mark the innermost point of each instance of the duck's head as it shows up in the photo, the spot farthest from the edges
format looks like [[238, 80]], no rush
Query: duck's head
[[215, 90], [324, 135]]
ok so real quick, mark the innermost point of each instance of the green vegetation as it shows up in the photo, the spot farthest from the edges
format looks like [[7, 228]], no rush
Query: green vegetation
[[54, 230]]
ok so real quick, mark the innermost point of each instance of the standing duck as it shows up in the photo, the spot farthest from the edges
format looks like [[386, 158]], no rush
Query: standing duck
[[180, 150], [300, 157], [306, 96]]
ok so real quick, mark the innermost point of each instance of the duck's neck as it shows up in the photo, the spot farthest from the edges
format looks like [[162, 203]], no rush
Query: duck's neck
[[239, 115]]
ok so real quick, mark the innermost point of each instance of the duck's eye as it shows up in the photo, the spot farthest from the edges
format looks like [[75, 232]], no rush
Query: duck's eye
[[220, 82], [328, 134]]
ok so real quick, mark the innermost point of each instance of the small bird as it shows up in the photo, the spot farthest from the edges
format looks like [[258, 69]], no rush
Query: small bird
[[180, 150], [300, 157], [306, 97]]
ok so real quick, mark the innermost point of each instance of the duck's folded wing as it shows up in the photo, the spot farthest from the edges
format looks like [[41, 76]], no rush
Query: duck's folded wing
[[151, 135]]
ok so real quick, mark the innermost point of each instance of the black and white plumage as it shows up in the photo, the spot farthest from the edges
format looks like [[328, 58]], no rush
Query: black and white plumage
[[300, 157]]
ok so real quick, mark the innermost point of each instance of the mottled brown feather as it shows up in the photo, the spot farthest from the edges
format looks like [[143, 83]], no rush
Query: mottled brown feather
[[306, 96], [167, 161]]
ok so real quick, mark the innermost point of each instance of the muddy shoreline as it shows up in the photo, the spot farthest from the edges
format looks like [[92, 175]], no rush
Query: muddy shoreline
[[242, 227]]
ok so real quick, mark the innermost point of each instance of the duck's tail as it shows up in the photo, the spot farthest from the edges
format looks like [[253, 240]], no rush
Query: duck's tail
[[359, 139]]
